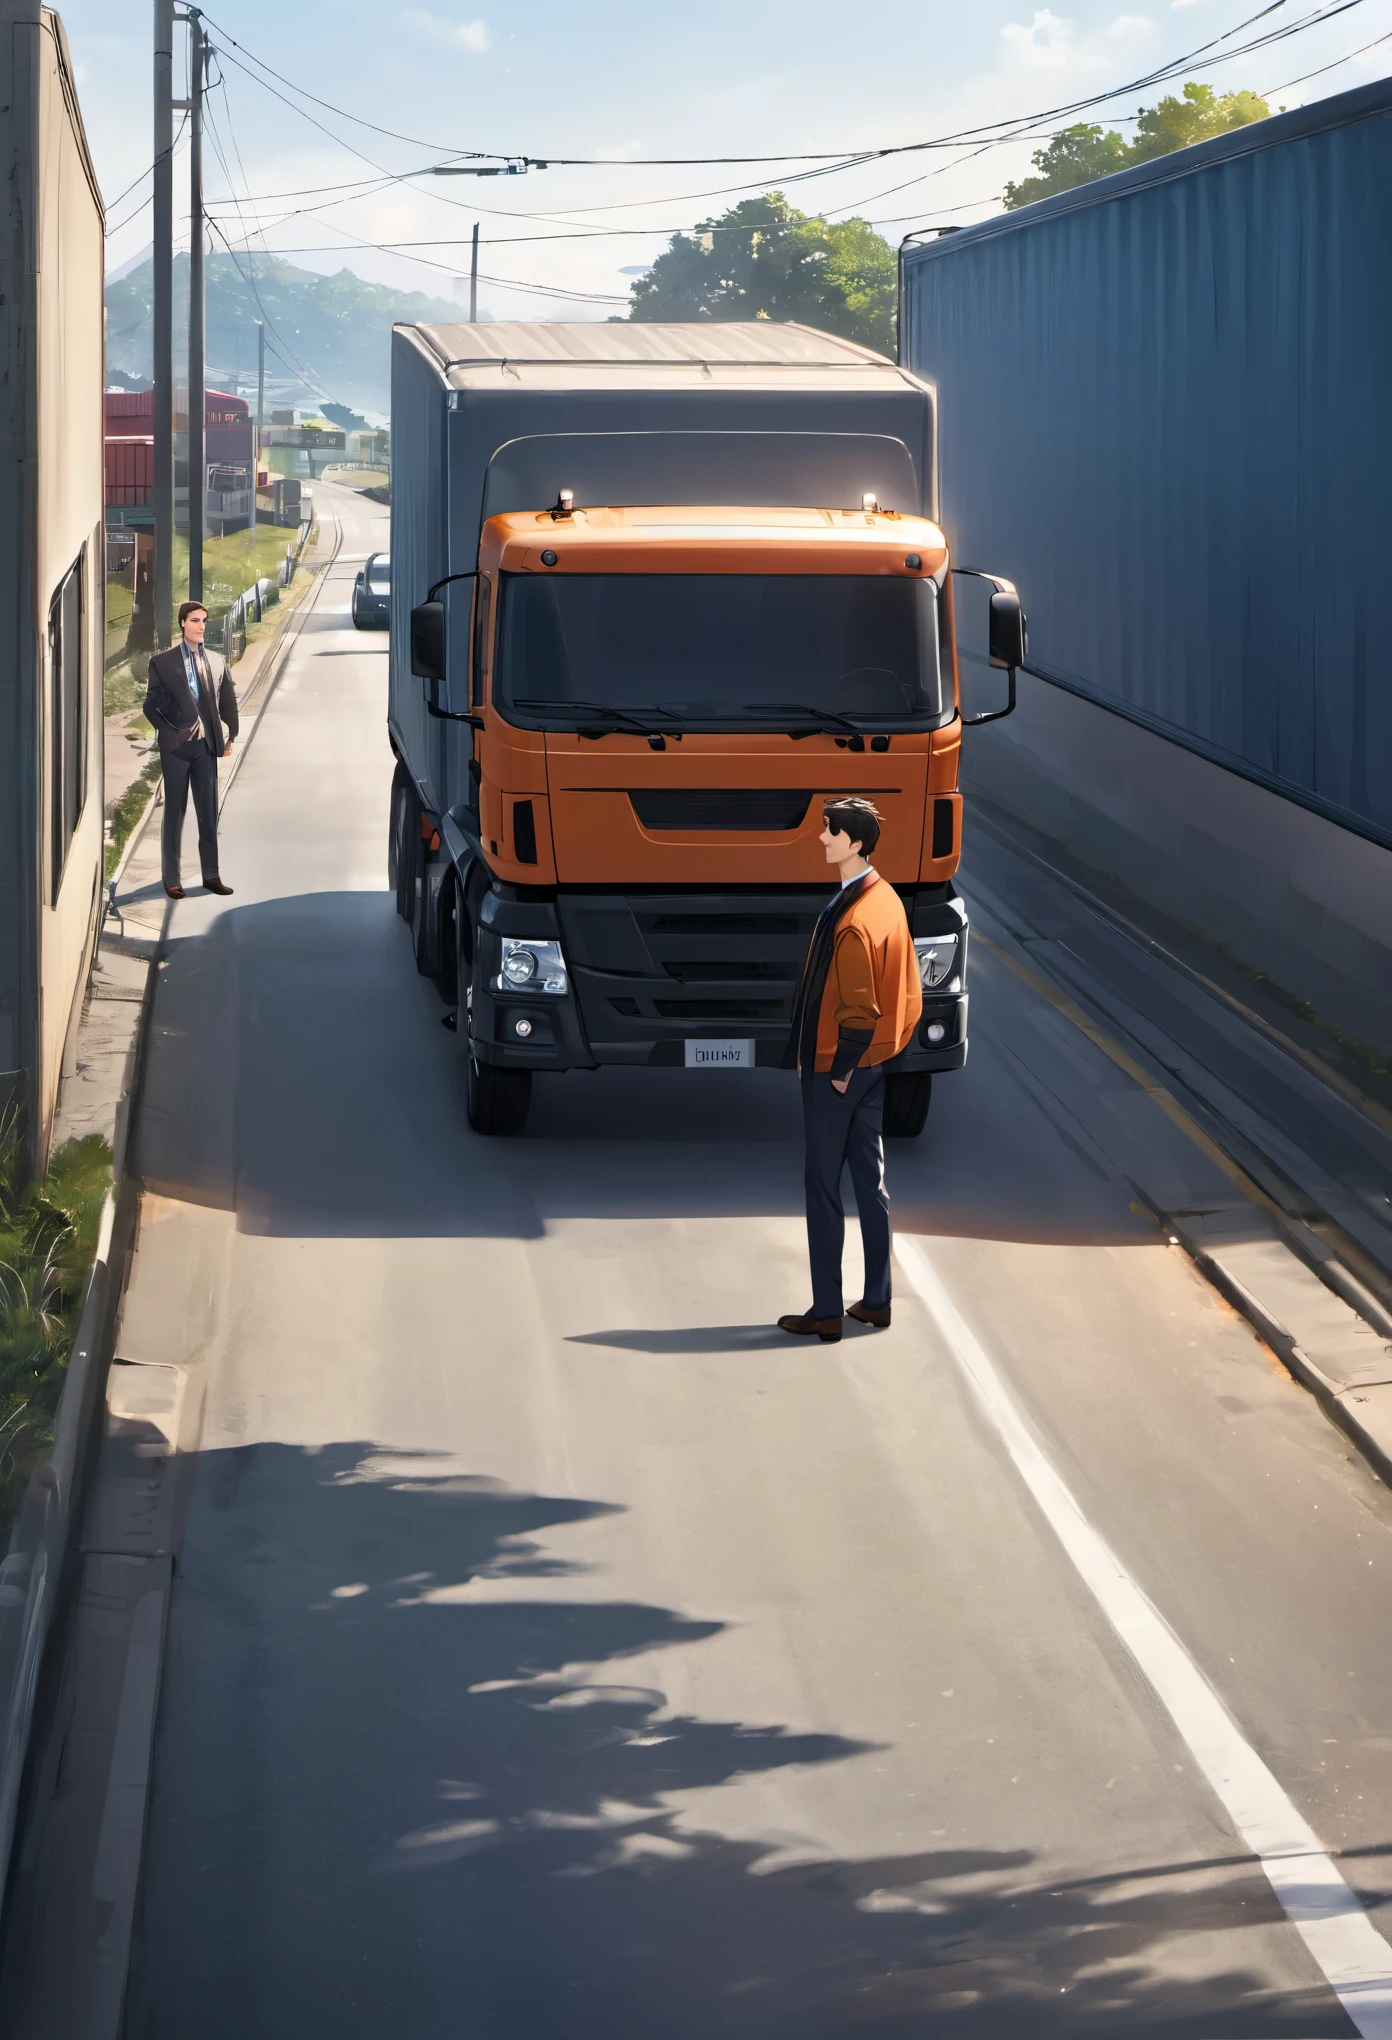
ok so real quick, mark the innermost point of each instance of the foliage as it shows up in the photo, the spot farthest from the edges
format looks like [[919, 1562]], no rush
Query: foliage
[[765, 260], [1085, 151], [125, 811], [48, 1235]]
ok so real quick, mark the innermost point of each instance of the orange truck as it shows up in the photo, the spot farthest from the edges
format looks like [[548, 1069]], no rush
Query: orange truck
[[656, 592]]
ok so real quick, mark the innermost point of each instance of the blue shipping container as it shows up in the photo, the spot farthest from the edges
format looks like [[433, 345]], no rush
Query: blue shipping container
[[1165, 408]]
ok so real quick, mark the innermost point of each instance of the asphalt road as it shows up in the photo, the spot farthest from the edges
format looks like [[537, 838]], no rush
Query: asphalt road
[[558, 1651]]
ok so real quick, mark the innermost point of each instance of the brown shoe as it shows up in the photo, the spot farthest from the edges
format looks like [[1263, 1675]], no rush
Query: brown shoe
[[216, 885], [827, 1329], [175, 892], [867, 1314]]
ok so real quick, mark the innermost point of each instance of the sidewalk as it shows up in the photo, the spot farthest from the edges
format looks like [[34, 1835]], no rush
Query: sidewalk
[[99, 1073], [128, 740]]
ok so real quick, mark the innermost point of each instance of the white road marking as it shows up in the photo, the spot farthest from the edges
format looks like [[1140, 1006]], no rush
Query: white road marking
[[1348, 1948]]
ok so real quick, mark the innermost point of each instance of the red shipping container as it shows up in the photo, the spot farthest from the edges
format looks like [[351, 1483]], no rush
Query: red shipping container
[[130, 471]]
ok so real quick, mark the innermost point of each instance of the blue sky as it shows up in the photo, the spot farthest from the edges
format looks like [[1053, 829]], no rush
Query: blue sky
[[618, 80]]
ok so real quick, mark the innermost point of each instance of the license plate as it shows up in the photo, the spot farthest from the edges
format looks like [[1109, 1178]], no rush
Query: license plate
[[719, 1055]]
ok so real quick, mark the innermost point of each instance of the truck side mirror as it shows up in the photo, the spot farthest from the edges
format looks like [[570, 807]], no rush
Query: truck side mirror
[[428, 641], [1008, 643]]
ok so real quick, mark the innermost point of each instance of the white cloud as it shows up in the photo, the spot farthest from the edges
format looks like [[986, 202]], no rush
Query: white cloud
[[1043, 42], [472, 34], [1131, 25], [1175, 5]]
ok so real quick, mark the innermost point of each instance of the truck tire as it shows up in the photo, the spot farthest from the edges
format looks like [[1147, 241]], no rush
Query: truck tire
[[498, 1100], [423, 917], [399, 846], [908, 1095]]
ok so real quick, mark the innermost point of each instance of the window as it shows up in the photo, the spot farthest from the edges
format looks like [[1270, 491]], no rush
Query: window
[[379, 574], [724, 648], [67, 665], [482, 601]]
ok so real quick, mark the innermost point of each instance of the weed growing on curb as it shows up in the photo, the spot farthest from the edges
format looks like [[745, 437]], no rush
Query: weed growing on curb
[[48, 1235]]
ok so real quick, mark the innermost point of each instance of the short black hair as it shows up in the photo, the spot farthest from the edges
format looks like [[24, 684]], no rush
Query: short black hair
[[187, 609], [851, 814]]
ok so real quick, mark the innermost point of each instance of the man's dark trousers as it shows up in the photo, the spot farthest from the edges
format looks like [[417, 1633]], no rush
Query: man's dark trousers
[[189, 768], [845, 1130]]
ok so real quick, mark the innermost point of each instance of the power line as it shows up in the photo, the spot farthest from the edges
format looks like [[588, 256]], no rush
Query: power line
[[848, 158], [1030, 127], [594, 234], [1272, 89]]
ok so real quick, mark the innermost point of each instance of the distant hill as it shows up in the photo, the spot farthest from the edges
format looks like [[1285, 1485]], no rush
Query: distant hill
[[326, 336]]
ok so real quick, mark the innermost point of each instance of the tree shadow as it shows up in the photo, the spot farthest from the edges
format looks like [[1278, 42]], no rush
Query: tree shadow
[[403, 1788]]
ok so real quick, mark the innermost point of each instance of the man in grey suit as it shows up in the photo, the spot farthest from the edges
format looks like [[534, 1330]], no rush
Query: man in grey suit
[[189, 698]]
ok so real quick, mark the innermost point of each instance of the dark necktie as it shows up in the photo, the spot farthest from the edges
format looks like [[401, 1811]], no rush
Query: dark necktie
[[207, 700]]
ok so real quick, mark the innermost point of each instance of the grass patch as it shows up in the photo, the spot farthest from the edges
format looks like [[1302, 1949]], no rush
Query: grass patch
[[125, 811], [230, 566], [48, 1235], [123, 689]]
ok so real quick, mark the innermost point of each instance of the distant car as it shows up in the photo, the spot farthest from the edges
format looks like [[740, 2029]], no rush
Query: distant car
[[371, 594]]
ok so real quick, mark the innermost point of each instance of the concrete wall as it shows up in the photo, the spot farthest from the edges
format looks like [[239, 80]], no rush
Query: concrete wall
[[1297, 897]]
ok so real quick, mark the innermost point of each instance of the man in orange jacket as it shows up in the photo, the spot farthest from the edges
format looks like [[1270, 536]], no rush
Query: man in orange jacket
[[858, 1004]]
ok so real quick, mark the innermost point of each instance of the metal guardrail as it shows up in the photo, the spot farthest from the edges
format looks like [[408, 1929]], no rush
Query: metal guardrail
[[252, 605]]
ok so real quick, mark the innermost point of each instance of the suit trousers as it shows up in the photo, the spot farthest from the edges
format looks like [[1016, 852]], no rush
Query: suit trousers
[[845, 1131], [192, 767]]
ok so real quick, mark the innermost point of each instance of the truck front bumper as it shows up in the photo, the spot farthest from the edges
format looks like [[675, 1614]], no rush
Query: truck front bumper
[[649, 972]]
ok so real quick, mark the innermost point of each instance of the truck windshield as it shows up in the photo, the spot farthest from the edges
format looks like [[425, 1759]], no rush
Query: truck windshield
[[708, 647]]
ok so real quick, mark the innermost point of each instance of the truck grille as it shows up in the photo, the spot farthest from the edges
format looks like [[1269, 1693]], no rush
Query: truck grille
[[682, 807], [726, 972], [660, 967], [720, 1009]]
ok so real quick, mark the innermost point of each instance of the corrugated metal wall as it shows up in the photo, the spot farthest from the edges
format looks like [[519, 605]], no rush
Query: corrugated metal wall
[[1167, 413]]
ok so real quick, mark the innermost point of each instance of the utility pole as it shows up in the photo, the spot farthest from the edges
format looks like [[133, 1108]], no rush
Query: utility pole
[[260, 411], [473, 278], [162, 263], [197, 367]]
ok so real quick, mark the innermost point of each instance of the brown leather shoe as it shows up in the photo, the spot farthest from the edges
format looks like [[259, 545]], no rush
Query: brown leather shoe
[[216, 885], [827, 1329], [866, 1314], [175, 892]]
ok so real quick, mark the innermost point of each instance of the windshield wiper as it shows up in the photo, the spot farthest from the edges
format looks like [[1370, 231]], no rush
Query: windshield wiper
[[820, 716], [588, 708]]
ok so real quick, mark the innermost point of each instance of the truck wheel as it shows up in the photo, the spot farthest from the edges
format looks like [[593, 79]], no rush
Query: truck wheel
[[498, 1099], [424, 933], [399, 847], [907, 1098]]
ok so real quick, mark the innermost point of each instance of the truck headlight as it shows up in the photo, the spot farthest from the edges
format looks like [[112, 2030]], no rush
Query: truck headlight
[[531, 967], [937, 959]]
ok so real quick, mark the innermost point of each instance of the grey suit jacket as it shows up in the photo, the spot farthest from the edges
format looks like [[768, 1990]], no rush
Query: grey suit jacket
[[169, 708]]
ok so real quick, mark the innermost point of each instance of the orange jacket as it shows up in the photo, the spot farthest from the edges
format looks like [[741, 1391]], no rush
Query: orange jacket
[[872, 984]]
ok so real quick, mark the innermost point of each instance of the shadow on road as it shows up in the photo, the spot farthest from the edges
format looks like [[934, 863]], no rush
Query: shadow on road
[[299, 1076], [402, 1788]]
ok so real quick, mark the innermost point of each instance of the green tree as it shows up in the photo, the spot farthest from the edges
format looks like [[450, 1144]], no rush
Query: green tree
[[765, 260], [1074, 157], [1085, 151], [1197, 117]]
